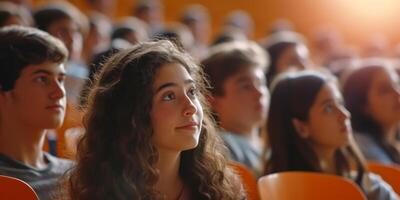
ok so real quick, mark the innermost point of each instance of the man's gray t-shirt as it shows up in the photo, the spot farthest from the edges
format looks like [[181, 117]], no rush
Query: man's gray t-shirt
[[43, 181], [241, 151]]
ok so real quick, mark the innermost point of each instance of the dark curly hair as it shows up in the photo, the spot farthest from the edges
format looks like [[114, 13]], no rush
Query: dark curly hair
[[116, 157]]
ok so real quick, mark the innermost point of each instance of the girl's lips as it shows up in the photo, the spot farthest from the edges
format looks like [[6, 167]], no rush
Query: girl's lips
[[55, 107], [189, 125]]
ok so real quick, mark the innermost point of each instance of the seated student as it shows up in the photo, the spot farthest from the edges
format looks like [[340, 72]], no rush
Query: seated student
[[197, 18], [12, 14], [372, 95], [309, 129], [65, 22], [288, 52], [239, 98], [149, 133], [32, 99]]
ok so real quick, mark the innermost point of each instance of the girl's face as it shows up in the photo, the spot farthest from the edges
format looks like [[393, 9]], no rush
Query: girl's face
[[294, 58], [383, 100], [176, 113], [328, 126]]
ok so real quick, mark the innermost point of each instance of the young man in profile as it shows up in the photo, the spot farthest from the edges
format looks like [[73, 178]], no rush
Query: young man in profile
[[239, 98], [32, 100]]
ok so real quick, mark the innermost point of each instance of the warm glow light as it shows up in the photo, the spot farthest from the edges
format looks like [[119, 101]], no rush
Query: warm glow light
[[368, 12]]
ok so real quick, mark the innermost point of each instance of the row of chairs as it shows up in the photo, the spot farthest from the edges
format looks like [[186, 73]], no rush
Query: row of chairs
[[278, 186], [309, 185]]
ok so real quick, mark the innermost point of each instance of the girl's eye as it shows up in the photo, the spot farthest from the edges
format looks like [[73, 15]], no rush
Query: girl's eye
[[328, 108], [61, 80], [246, 86], [192, 92], [168, 97]]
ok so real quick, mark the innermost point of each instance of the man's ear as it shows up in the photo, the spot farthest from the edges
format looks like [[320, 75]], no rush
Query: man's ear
[[213, 100], [366, 110], [301, 128], [3, 95], [210, 99]]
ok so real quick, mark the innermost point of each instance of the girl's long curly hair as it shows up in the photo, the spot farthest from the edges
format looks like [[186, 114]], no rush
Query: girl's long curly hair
[[116, 158]]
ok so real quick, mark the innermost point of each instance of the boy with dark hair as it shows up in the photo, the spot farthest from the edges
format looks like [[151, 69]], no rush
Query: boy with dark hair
[[65, 22], [32, 100], [239, 98]]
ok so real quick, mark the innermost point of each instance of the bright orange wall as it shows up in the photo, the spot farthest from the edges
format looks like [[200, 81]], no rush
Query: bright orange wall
[[355, 19]]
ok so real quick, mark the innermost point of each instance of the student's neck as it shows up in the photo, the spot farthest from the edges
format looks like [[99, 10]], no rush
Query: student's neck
[[23, 144], [326, 160], [169, 182], [389, 133]]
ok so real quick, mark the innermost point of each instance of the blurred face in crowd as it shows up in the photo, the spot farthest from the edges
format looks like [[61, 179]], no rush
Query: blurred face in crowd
[[295, 57], [383, 100], [328, 125], [68, 31], [244, 102]]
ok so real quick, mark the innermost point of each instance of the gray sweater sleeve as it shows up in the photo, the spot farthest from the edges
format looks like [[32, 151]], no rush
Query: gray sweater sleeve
[[377, 189]]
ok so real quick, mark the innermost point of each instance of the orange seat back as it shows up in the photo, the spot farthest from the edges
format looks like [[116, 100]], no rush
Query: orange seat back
[[249, 181], [13, 188], [307, 186], [389, 173]]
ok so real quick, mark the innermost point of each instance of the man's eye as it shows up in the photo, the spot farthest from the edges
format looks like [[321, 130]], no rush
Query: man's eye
[[42, 79]]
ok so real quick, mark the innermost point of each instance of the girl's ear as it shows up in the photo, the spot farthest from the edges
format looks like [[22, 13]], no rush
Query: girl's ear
[[301, 128]]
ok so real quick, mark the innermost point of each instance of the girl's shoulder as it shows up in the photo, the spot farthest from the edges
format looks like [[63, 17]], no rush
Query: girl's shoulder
[[376, 188]]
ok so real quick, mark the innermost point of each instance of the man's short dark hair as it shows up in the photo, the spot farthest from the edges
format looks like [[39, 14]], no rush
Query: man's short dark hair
[[227, 59], [23, 46], [48, 15]]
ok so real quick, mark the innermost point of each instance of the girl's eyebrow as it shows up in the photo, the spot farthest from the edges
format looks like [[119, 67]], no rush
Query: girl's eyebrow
[[171, 84], [326, 101]]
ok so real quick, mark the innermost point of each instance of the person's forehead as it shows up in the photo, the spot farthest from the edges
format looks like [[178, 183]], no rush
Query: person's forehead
[[52, 67], [328, 91], [171, 72], [248, 73]]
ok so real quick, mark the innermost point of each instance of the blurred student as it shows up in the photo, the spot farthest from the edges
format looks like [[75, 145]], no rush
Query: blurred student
[[372, 95], [239, 98], [309, 129]]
